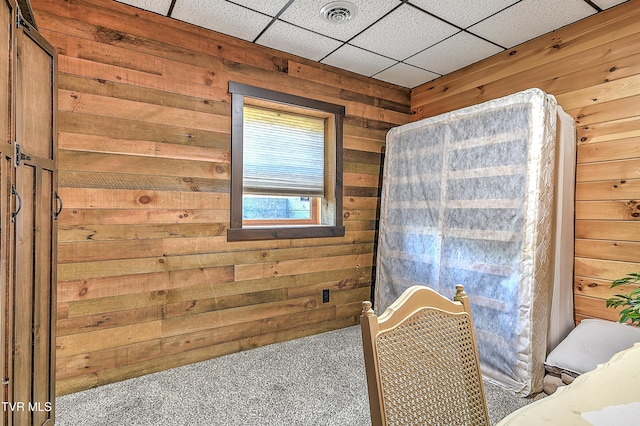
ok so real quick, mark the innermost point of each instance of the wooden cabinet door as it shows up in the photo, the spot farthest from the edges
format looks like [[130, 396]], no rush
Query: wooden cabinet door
[[7, 19], [35, 243]]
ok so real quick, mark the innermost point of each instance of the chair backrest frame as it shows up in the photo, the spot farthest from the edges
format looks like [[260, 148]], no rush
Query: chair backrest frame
[[412, 301]]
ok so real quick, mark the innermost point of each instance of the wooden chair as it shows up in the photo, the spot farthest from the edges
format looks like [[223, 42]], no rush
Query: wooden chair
[[422, 362]]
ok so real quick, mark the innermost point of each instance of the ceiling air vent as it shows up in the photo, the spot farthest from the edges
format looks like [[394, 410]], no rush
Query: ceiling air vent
[[338, 12]]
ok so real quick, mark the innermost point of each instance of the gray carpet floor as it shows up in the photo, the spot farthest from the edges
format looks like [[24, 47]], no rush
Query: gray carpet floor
[[316, 380]]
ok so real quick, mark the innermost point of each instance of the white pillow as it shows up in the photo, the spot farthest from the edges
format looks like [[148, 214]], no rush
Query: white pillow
[[592, 342]]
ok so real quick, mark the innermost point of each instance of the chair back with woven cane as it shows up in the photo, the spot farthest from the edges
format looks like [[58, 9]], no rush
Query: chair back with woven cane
[[422, 362]]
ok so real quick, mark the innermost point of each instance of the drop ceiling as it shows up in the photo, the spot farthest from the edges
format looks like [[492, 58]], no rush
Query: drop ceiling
[[405, 42]]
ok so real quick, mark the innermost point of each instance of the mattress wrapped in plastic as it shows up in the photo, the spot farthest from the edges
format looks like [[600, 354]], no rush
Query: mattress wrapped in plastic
[[468, 197]]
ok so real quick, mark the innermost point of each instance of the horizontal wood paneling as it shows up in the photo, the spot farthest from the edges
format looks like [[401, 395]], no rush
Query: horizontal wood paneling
[[147, 280], [593, 69]]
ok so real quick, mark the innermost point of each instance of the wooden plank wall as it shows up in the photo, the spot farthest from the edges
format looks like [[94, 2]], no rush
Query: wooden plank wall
[[593, 69], [147, 280]]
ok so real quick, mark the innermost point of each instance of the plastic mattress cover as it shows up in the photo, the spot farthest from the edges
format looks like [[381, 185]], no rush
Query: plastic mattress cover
[[467, 198]]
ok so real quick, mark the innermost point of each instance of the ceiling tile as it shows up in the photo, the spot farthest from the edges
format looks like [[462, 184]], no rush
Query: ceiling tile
[[454, 53], [385, 32], [463, 15], [295, 40], [157, 6], [221, 16], [356, 60], [529, 19], [403, 33], [406, 75], [269, 7], [606, 4], [306, 14]]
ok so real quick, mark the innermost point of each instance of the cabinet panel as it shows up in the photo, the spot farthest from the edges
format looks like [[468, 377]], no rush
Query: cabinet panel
[[23, 290], [34, 280], [43, 302], [33, 381], [6, 18], [34, 95], [27, 222], [6, 271]]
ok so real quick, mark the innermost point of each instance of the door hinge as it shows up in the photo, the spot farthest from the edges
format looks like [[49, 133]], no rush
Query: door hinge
[[5, 380], [21, 21], [20, 156]]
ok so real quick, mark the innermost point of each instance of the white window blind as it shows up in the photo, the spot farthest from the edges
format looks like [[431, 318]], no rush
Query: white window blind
[[283, 153]]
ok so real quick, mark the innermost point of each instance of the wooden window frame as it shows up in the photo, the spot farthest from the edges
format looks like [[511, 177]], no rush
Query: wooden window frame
[[251, 95]]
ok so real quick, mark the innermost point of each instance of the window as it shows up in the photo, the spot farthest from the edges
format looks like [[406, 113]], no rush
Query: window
[[286, 166]]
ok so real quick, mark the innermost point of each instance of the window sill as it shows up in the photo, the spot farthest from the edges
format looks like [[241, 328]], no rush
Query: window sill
[[283, 233]]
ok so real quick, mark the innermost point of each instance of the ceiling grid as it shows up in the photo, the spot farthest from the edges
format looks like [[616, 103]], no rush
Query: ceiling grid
[[404, 42]]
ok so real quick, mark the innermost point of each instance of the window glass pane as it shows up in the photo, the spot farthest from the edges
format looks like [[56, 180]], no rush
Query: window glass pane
[[283, 153], [256, 207]]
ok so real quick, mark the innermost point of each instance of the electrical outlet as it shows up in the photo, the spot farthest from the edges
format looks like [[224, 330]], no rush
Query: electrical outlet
[[325, 295]]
